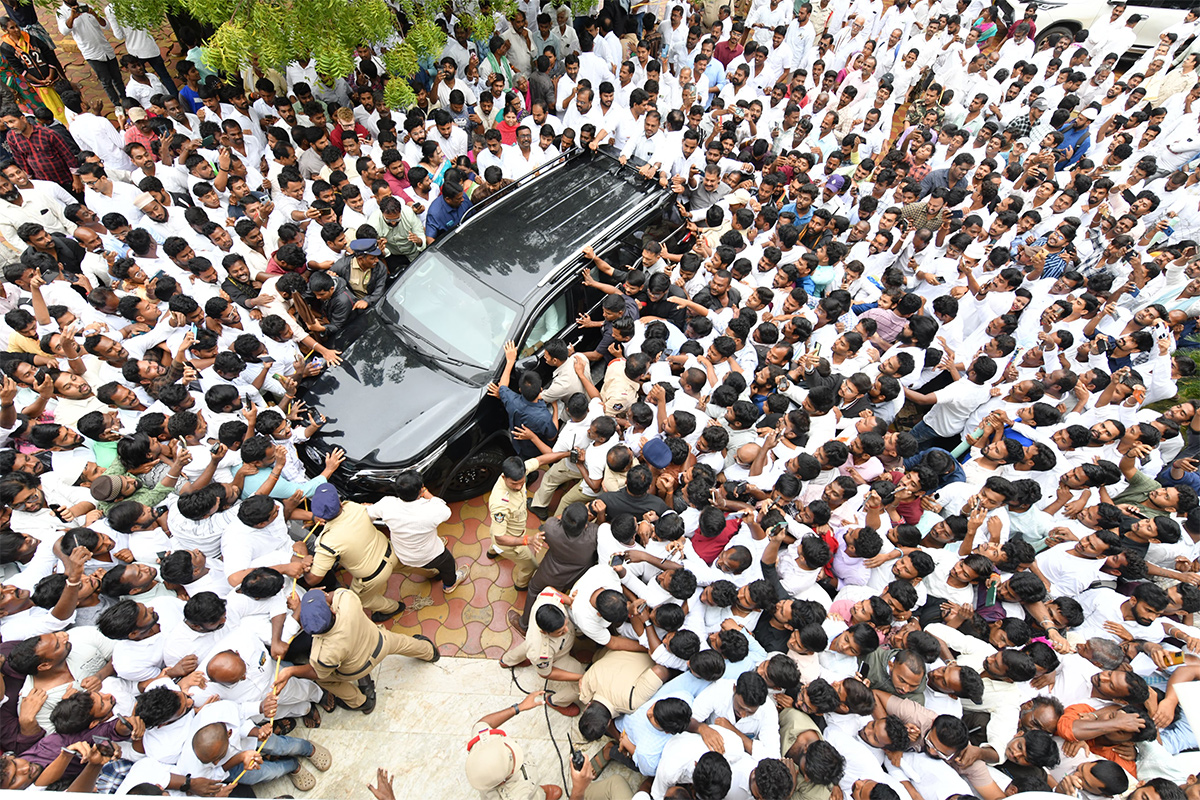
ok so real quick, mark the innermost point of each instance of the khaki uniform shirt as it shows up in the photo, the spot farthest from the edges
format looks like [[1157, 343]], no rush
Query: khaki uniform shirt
[[359, 278], [507, 508], [543, 649], [354, 539], [613, 680], [619, 392], [792, 723], [347, 649]]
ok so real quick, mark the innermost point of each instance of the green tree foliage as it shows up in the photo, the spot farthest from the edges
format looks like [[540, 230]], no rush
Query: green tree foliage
[[276, 32]]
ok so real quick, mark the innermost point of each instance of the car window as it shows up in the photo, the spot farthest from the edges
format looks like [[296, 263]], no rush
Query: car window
[[454, 310], [553, 321]]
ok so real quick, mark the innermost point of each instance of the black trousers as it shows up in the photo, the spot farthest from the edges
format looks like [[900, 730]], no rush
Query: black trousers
[[445, 566], [109, 73]]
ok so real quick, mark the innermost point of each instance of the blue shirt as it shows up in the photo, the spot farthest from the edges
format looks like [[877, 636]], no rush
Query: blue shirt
[[442, 218], [283, 488], [1078, 138], [191, 98], [536, 416], [648, 741], [801, 221]]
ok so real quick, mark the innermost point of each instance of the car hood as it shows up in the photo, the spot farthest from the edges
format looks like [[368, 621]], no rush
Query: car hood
[[387, 403]]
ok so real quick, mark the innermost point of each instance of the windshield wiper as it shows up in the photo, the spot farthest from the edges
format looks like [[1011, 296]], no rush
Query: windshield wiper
[[435, 353]]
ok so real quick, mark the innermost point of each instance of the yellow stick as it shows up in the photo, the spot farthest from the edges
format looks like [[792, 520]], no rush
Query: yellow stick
[[275, 692]]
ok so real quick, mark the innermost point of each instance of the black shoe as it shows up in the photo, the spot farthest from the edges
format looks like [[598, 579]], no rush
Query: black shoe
[[541, 512], [384, 616], [368, 704], [436, 655]]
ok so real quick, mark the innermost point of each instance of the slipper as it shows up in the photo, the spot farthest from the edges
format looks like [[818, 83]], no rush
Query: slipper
[[283, 727], [302, 779], [602, 758], [320, 758], [313, 718], [327, 702]]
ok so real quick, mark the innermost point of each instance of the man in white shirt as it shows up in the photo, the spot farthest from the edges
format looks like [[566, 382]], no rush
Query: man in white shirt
[[412, 517], [18, 206], [92, 131], [141, 87], [952, 405], [81, 23]]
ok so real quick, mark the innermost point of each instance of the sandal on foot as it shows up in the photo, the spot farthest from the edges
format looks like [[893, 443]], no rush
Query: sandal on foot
[[602, 758], [327, 702], [313, 718], [283, 727], [320, 758], [302, 779]]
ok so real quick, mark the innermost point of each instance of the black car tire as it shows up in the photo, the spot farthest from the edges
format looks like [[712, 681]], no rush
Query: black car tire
[[477, 474], [1062, 28]]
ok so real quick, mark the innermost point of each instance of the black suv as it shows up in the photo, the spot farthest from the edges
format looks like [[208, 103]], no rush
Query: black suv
[[410, 391]]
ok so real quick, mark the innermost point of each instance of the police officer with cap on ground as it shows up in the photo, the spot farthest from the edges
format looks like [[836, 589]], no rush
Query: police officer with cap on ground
[[347, 646], [495, 762]]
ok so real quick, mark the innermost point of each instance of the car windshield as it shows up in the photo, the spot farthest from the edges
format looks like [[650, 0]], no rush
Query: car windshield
[[452, 310]]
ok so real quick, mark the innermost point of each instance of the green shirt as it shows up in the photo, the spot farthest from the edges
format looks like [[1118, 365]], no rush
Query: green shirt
[[396, 237]]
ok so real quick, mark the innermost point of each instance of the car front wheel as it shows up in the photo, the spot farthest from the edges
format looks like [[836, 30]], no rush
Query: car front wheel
[[477, 474], [1059, 28]]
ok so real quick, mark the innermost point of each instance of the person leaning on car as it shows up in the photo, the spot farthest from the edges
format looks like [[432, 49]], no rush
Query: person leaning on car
[[363, 273]]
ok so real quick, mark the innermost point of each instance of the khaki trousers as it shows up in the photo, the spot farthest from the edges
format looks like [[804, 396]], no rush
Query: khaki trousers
[[372, 593], [345, 687], [559, 474], [575, 495], [565, 692]]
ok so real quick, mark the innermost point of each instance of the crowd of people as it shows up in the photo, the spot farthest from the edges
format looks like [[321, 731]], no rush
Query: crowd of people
[[870, 477]]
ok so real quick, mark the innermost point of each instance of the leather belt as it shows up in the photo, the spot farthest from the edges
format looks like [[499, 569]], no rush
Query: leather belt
[[367, 665], [387, 557]]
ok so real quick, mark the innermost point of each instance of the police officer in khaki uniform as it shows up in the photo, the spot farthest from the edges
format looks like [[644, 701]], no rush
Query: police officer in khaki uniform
[[508, 511], [618, 682], [496, 764], [548, 646], [351, 539], [346, 647]]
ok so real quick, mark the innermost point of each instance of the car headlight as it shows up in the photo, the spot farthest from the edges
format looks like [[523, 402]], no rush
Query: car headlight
[[379, 476]]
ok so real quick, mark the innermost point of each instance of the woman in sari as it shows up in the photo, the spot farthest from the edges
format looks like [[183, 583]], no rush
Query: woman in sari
[[35, 62], [986, 25]]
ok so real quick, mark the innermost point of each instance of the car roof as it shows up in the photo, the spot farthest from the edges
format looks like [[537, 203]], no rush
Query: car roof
[[516, 241]]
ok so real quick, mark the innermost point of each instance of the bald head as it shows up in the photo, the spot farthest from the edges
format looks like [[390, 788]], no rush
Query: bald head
[[211, 742], [747, 453], [226, 667], [86, 236]]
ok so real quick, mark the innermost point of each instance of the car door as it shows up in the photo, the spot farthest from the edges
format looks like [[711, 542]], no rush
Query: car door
[[553, 319], [1159, 15]]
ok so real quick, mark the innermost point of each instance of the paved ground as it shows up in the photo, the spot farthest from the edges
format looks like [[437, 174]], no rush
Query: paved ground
[[80, 74], [472, 621], [420, 728]]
